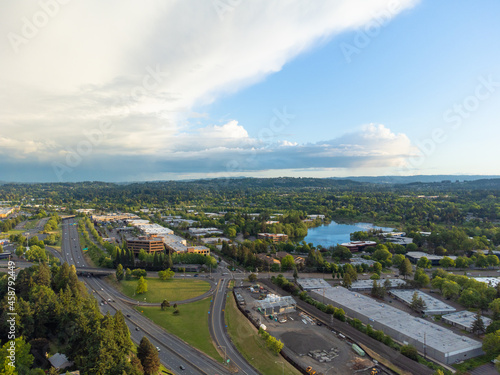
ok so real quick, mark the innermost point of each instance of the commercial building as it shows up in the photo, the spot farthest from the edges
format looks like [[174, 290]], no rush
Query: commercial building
[[311, 283], [433, 306], [200, 232], [215, 240], [6, 211], [359, 261], [114, 217], [274, 304], [202, 250], [464, 320], [440, 343], [358, 245], [414, 257], [491, 281], [149, 244], [367, 285], [280, 237]]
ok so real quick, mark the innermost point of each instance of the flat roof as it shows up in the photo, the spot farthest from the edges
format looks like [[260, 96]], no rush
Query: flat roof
[[365, 284], [436, 337], [312, 283], [420, 254], [433, 305], [491, 281], [465, 318]]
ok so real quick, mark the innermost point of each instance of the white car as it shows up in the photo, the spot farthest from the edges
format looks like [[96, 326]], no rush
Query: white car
[[157, 348]]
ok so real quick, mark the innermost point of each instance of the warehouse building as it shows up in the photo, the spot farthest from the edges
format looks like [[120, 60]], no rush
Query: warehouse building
[[433, 306], [414, 257], [274, 304], [367, 285], [464, 320], [440, 343], [310, 284]]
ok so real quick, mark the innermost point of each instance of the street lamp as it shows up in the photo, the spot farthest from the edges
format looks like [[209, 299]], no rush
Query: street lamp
[[282, 367]]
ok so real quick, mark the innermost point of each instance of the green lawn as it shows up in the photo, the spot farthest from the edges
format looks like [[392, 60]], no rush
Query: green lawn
[[171, 290], [248, 342], [191, 325], [31, 224]]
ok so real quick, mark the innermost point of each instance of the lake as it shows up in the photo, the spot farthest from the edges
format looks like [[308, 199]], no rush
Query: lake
[[334, 233]]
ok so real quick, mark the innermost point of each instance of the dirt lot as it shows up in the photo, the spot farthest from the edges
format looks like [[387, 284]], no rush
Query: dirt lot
[[300, 339]]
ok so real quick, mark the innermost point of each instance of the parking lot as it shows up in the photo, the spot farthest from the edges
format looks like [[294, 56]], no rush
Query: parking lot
[[307, 343]]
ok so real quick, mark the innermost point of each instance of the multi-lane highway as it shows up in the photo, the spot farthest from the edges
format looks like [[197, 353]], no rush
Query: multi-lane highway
[[174, 353]]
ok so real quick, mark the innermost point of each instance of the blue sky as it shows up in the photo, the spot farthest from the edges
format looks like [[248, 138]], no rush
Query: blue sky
[[297, 88]]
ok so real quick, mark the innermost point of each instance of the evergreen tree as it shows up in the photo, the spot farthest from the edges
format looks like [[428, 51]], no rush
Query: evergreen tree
[[405, 268], [142, 286], [478, 324], [148, 355], [42, 277], [119, 272]]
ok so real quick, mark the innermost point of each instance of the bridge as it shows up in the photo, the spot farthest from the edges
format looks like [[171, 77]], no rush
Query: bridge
[[87, 271]]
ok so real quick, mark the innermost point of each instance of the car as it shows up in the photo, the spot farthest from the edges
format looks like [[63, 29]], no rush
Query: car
[[128, 315], [109, 299], [102, 289], [182, 367], [137, 328], [157, 348]]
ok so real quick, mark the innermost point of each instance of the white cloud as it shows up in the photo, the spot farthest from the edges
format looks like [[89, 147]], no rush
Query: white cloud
[[144, 67]]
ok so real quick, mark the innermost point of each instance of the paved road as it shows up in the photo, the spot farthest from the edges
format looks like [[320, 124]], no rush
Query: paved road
[[218, 332], [173, 351]]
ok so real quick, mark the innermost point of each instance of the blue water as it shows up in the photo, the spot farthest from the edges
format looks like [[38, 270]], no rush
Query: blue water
[[334, 233]]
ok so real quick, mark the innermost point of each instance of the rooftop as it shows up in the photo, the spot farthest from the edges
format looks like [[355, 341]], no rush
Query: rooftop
[[465, 318], [433, 305], [367, 284], [420, 254], [308, 284]]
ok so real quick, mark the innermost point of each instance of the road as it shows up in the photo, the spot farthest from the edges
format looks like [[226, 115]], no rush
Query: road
[[174, 352], [217, 327]]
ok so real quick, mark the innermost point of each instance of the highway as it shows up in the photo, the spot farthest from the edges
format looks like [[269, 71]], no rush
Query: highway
[[217, 330], [174, 352]]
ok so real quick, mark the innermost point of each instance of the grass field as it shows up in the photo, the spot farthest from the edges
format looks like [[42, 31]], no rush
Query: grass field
[[247, 340], [171, 290], [13, 231], [31, 224], [191, 325]]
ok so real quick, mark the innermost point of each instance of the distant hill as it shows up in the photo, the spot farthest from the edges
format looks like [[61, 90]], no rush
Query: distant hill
[[418, 178]]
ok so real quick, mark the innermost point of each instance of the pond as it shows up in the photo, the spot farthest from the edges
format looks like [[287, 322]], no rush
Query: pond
[[334, 233]]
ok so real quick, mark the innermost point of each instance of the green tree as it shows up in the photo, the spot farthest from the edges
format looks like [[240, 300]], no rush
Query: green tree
[[148, 355], [377, 268], [478, 324], [382, 254], [417, 303], [20, 251], [447, 262], [165, 304], [470, 297], [287, 263], [142, 286], [23, 357], [397, 259], [450, 289], [119, 272], [491, 343], [410, 352], [424, 262], [252, 277], [495, 308], [405, 269], [421, 278], [347, 282], [166, 274], [128, 274]]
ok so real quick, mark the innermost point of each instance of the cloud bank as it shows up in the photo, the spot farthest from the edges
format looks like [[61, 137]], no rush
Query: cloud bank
[[115, 83]]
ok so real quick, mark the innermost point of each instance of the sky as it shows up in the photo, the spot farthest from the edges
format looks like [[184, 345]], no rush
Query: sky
[[117, 91]]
